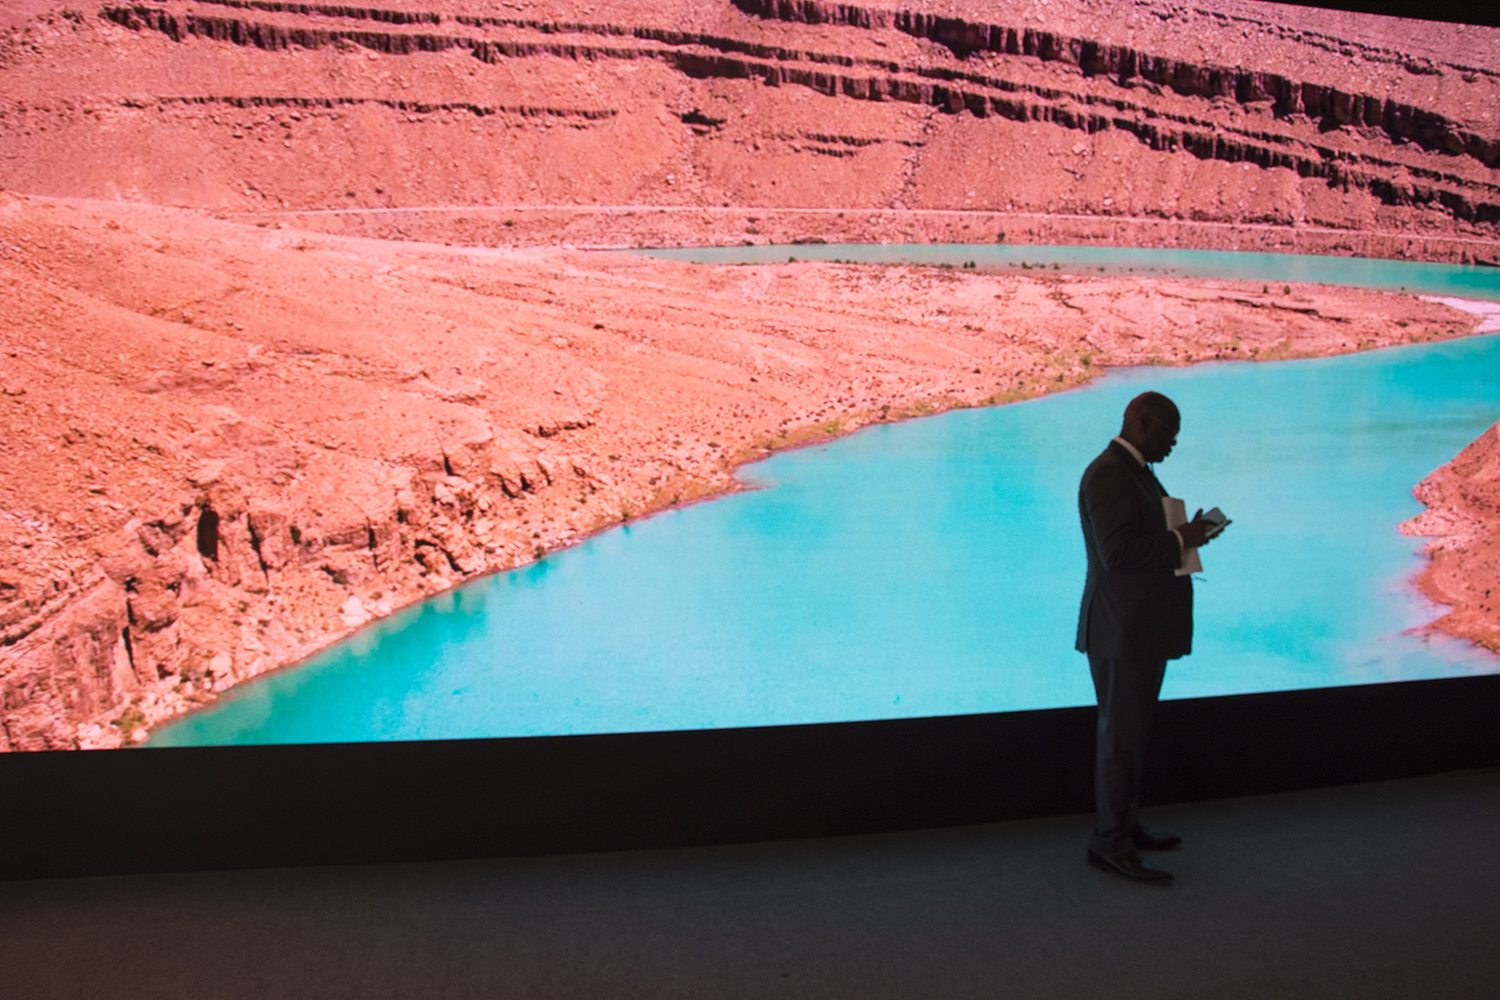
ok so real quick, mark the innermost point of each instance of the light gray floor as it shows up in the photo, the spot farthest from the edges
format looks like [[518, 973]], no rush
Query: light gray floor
[[1385, 890]]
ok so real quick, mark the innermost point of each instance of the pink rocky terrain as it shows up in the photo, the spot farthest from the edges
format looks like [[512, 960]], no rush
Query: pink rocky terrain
[[226, 446], [1463, 520], [1220, 125], [249, 399]]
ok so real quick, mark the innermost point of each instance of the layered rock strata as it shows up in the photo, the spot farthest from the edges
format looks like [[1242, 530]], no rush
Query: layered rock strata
[[1178, 122], [226, 446]]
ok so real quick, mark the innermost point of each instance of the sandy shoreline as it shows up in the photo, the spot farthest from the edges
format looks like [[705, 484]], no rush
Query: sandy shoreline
[[230, 446]]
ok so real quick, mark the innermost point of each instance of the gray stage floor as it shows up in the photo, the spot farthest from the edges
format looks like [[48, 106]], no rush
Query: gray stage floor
[[1384, 890]]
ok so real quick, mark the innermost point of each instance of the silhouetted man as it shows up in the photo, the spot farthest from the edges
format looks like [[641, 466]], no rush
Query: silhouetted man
[[1137, 614]]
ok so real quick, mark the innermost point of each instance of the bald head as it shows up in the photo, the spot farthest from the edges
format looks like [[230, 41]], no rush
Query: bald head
[[1151, 424], [1152, 404]]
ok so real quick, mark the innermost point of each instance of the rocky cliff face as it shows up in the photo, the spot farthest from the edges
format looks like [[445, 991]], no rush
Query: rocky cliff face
[[952, 91], [1193, 120], [1463, 520], [1329, 106]]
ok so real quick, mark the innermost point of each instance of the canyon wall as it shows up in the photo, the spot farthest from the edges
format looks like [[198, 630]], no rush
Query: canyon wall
[[1204, 127]]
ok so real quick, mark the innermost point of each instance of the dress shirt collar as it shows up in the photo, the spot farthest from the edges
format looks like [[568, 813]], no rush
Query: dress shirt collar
[[1134, 451]]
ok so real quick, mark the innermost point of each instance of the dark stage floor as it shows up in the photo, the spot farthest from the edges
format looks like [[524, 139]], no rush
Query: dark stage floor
[[1381, 890]]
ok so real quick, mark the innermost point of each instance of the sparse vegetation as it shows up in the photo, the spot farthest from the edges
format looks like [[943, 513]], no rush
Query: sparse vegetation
[[131, 719]]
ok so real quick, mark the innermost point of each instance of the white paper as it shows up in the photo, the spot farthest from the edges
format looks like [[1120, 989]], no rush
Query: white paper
[[1176, 511]]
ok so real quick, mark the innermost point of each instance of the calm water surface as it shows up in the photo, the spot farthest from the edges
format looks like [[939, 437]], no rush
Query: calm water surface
[[934, 567], [1457, 280]]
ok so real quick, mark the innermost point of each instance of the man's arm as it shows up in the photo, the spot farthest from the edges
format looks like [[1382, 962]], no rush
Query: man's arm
[[1109, 501]]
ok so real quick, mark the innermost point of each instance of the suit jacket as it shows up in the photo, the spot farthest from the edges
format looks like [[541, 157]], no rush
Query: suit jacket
[[1134, 605]]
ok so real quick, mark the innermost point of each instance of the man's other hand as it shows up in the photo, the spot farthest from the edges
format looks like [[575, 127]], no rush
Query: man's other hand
[[1195, 532]]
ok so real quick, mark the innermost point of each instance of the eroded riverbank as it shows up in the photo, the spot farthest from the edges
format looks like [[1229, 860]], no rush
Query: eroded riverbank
[[1461, 519], [230, 446]]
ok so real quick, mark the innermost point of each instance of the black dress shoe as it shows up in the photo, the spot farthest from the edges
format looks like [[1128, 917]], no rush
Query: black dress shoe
[[1144, 840], [1130, 866]]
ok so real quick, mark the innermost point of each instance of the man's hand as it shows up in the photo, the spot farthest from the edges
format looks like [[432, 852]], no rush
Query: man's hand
[[1195, 532]]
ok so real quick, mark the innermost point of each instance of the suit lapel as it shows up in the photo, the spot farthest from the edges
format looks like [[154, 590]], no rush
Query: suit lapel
[[1143, 473], [1161, 491]]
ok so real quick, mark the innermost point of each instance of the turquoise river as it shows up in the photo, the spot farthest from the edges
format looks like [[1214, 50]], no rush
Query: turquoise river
[[934, 567]]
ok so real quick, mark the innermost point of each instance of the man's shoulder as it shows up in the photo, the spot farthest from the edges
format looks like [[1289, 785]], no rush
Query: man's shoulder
[[1111, 461]]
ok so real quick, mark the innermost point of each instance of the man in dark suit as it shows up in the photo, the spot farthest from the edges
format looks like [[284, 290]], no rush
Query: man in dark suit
[[1137, 614]]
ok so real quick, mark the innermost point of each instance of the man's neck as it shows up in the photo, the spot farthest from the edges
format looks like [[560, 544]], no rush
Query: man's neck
[[1135, 452]]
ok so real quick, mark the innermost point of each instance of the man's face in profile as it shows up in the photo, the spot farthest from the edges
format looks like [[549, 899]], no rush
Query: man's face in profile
[[1160, 435]]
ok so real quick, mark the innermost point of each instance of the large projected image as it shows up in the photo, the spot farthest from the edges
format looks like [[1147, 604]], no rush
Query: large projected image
[[529, 368]]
